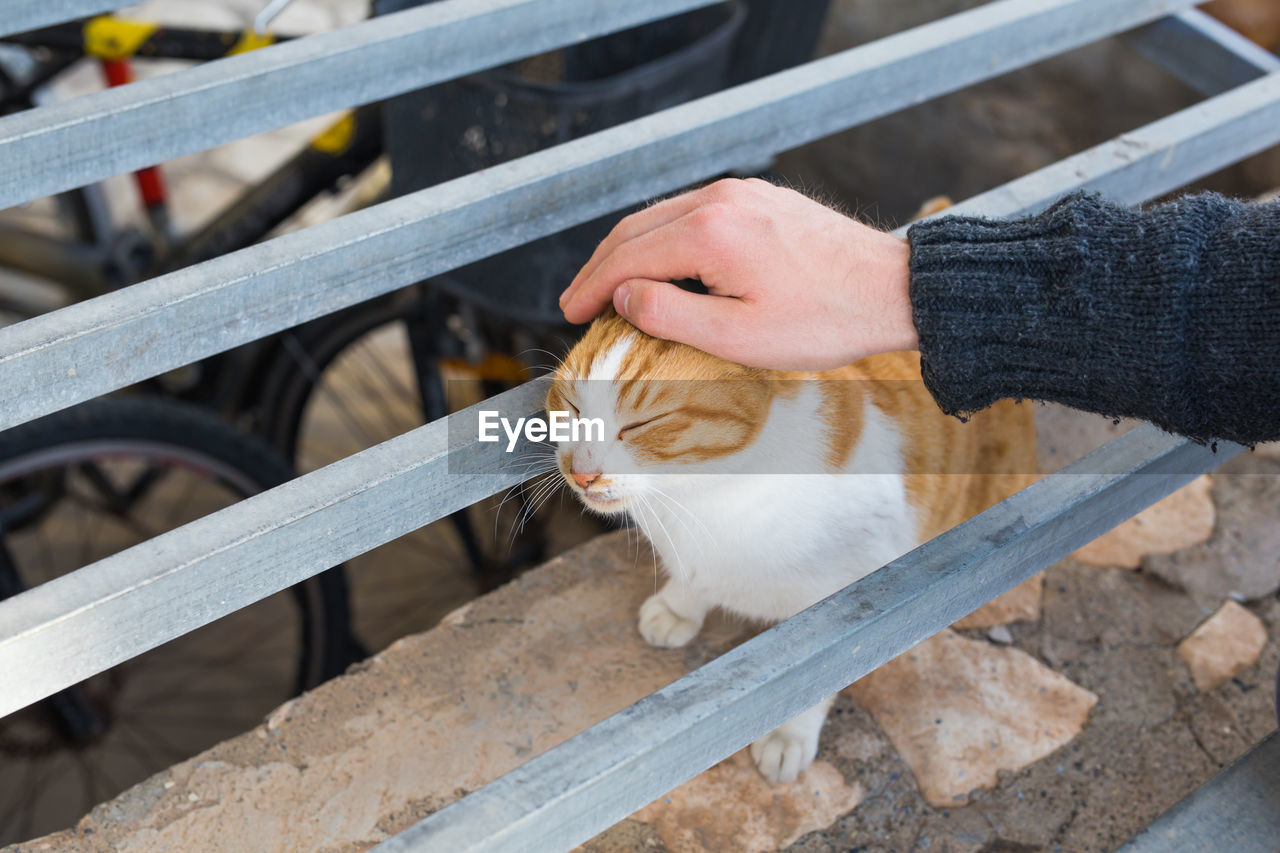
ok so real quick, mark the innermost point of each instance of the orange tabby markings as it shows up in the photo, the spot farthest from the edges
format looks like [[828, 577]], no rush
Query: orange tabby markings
[[763, 491]]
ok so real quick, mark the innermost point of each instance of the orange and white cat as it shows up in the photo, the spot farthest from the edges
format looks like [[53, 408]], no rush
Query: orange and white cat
[[762, 491]]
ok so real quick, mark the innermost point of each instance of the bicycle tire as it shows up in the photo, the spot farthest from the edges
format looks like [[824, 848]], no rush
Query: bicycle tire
[[170, 446], [298, 380]]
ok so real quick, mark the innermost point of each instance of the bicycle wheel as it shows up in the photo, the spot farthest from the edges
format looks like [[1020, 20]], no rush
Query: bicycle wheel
[[82, 484], [348, 382]]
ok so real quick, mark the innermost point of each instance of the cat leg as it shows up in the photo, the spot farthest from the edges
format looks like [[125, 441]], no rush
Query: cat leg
[[784, 752], [671, 617]]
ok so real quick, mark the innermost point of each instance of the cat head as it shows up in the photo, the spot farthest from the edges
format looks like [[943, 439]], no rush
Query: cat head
[[666, 408]]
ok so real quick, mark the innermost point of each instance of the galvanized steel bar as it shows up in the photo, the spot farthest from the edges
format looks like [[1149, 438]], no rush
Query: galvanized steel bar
[[569, 793], [1152, 160], [74, 626], [18, 16], [115, 340], [40, 625], [76, 142], [29, 623], [1238, 810], [32, 626], [1204, 53]]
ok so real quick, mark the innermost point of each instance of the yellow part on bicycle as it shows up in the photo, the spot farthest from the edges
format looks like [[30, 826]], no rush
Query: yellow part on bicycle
[[106, 37], [494, 366], [337, 137], [251, 40]]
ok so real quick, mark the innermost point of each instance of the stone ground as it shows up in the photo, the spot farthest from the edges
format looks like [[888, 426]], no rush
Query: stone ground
[[329, 771]]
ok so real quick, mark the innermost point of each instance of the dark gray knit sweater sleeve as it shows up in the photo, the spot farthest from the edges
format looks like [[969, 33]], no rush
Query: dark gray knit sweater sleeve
[[1170, 314]]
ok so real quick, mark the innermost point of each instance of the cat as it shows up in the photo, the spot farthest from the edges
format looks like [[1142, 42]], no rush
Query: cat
[[741, 480]]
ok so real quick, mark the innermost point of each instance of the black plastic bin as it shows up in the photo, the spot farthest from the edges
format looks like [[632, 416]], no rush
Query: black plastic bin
[[450, 130]]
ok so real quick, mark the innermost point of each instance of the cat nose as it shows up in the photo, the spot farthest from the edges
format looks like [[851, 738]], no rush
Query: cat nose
[[585, 480]]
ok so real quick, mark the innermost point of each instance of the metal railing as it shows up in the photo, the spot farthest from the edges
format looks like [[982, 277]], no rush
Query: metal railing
[[59, 633]]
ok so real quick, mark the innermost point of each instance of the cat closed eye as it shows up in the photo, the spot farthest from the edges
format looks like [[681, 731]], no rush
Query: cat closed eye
[[638, 424]]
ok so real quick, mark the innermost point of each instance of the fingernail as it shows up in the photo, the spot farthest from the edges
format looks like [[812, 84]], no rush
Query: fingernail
[[620, 297], [564, 294]]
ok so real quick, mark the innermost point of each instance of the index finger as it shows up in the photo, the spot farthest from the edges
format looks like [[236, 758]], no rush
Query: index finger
[[628, 228], [669, 252]]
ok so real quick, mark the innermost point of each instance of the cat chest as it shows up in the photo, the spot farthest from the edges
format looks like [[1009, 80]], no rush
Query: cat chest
[[769, 546]]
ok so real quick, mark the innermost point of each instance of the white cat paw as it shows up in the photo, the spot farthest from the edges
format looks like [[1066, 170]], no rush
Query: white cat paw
[[663, 627], [783, 753]]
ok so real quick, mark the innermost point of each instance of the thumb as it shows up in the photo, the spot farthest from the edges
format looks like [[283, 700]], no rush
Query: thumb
[[663, 310]]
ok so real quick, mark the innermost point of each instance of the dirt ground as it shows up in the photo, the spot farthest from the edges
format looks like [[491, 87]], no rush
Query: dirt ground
[[1151, 739]]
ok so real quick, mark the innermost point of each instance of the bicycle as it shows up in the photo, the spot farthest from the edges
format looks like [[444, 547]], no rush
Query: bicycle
[[341, 383], [88, 482], [94, 254]]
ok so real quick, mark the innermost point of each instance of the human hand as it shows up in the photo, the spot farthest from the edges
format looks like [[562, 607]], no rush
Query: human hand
[[792, 284]]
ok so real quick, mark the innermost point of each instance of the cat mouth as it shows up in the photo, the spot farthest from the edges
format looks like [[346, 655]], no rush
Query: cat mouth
[[600, 503]]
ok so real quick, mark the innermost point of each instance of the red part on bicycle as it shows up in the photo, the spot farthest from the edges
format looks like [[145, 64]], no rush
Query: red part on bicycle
[[117, 71], [150, 182], [151, 186]]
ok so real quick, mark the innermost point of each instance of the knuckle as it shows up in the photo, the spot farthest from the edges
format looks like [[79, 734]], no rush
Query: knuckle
[[715, 223], [725, 190]]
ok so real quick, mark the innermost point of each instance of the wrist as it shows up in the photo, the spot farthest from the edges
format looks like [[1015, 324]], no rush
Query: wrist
[[899, 328]]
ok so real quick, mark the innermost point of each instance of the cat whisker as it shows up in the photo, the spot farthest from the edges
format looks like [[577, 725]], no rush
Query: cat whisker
[[515, 490], [652, 551], [555, 359], [545, 490], [681, 512], [657, 518], [544, 460], [529, 497], [540, 492]]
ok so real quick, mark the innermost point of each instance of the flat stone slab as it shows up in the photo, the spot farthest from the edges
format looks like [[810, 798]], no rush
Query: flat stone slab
[[1181, 520], [1241, 560], [1020, 604], [1223, 646], [959, 711], [732, 807]]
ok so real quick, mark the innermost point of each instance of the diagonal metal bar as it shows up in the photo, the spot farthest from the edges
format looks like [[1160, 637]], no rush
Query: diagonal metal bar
[[1202, 52], [1152, 160], [39, 625], [18, 16], [573, 791], [102, 344], [67, 629], [76, 142]]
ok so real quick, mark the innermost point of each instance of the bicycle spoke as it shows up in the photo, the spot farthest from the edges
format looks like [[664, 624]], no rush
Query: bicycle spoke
[[116, 745], [331, 395], [154, 760], [88, 789], [178, 508], [172, 754], [100, 510], [19, 805], [401, 391]]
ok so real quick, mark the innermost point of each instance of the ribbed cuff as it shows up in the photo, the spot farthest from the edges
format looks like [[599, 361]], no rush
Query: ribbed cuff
[[1089, 304]]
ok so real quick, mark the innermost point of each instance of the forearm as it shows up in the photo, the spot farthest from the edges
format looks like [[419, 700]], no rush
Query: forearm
[[1170, 314]]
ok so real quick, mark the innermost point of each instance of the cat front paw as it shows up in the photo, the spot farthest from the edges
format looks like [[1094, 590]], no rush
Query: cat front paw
[[663, 627], [784, 752]]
